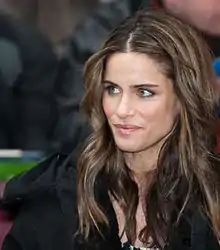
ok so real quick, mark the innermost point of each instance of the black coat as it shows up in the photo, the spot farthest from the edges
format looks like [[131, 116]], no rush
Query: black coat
[[44, 202]]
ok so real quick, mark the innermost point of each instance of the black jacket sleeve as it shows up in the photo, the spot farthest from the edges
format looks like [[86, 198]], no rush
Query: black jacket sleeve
[[46, 215]]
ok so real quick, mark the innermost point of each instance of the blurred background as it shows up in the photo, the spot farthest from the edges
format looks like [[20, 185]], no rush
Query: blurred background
[[43, 47]]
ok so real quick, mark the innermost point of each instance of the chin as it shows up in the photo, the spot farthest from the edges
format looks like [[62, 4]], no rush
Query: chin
[[128, 148]]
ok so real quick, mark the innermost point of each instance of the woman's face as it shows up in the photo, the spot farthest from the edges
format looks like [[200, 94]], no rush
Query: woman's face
[[139, 101]]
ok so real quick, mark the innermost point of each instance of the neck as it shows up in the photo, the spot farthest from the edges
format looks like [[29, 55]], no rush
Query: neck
[[141, 163]]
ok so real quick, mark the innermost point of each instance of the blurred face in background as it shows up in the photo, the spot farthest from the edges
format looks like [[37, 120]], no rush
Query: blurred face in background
[[203, 14]]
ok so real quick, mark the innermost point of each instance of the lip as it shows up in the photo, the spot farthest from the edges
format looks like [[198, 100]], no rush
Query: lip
[[126, 129], [127, 126]]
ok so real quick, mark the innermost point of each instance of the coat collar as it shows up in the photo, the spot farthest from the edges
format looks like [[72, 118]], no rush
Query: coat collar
[[192, 232]]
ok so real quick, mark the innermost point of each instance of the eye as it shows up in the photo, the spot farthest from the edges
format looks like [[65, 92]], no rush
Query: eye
[[112, 90], [144, 92]]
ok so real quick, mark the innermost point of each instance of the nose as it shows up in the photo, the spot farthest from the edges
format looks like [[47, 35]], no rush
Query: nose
[[125, 107]]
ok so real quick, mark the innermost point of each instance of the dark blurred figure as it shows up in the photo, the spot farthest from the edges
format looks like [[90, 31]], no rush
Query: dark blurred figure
[[86, 38], [28, 69], [75, 29], [56, 19]]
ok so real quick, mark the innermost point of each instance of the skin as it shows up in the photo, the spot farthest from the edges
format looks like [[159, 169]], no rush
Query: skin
[[203, 14], [141, 108]]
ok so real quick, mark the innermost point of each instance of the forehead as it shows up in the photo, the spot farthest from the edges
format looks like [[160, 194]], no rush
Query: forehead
[[133, 68]]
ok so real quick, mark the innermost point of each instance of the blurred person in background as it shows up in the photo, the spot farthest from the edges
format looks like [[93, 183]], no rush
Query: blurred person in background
[[75, 30], [33, 85], [86, 37], [10, 68], [203, 14], [28, 70]]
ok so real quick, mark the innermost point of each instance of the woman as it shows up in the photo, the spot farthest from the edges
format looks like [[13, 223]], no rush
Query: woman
[[148, 176]]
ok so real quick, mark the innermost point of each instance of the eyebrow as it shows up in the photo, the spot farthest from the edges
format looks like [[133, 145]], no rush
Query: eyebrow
[[109, 82], [146, 85]]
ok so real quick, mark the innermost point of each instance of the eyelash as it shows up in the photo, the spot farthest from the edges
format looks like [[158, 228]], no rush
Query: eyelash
[[143, 89], [108, 88]]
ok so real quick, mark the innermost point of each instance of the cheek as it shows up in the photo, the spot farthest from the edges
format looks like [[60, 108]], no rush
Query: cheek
[[150, 110], [107, 107], [159, 112]]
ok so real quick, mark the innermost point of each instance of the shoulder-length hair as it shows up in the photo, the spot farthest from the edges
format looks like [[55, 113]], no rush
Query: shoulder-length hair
[[187, 171]]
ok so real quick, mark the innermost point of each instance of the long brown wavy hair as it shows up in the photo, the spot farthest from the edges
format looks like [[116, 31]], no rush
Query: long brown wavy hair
[[187, 167]]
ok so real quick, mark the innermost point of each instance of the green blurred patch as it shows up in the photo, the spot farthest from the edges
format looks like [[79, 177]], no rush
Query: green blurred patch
[[8, 169]]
